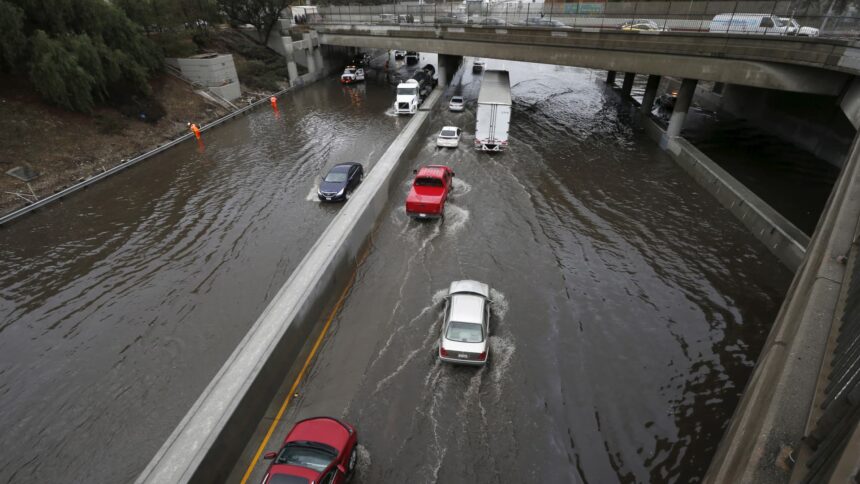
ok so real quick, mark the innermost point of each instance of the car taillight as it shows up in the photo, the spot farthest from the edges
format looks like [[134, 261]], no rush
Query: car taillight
[[443, 352], [482, 356]]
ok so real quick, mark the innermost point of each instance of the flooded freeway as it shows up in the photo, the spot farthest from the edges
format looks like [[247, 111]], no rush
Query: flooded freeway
[[628, 308], [119, 304]]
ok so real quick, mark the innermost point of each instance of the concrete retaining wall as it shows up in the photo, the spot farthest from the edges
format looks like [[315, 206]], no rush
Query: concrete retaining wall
[[782, 238], [207, 442]]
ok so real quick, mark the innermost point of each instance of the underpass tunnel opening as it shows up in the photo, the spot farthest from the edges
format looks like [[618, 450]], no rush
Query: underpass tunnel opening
[[787, 147]]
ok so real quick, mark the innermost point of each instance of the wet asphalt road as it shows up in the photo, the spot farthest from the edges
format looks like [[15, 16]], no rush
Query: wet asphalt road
[[119, 304], [629, 308]]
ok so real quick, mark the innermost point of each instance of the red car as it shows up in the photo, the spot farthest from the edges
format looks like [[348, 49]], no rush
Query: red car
[[319, 450], [429, 192]]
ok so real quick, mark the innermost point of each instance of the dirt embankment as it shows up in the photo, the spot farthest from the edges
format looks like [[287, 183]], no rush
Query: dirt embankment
[[64, 147]]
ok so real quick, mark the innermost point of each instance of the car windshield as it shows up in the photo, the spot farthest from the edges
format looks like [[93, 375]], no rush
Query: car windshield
[[336, 176], [312, 455], [405, 91], [428, 182], [456, 100], [449, 133], [465, 332]]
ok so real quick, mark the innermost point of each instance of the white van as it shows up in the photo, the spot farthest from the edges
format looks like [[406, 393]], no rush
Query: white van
[[749, 23]]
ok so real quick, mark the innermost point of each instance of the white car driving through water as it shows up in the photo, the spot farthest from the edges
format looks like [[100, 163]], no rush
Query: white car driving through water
[[449, 137], [457, 104], [466, 329]]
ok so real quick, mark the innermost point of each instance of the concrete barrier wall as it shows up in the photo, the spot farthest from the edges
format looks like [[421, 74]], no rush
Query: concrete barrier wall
[[782, 238], [210, 437]]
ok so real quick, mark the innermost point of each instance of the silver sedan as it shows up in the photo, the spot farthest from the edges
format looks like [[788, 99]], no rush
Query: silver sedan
[[466, 329]]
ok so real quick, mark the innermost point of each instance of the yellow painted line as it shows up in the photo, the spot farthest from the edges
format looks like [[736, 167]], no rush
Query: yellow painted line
[[301, 374]]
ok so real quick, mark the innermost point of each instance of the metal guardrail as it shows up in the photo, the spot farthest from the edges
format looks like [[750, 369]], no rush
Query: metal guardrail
[[9, 217], [737, 17], [834, 435]]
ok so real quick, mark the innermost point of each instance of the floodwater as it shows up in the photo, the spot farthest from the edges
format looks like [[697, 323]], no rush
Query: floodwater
[[119, 304], [628, 308], [792, 181]]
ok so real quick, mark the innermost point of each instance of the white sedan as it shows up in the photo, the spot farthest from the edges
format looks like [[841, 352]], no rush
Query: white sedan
[[457, 104], [449, 137], [466, 329]]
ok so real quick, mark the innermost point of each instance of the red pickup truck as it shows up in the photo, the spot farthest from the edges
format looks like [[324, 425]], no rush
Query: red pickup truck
[[429, 192]]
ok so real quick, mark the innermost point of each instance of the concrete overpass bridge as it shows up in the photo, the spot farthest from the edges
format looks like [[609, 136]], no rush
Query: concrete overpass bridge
[[819, 66]]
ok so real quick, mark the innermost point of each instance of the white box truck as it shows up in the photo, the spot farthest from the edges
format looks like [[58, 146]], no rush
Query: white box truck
[[494, 112]]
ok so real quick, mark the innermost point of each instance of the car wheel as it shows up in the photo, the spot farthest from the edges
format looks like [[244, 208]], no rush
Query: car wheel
[[353, 462]]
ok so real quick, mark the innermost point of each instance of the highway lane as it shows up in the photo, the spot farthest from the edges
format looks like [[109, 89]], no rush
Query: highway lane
[[119, 304], [629, 308]]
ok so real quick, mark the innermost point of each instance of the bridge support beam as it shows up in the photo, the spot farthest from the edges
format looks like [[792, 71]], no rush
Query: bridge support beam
[[448, 65], [610, 77], [650, 94], [627, 85], [682, 105]]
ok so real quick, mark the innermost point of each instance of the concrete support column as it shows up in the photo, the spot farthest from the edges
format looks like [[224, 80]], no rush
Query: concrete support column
[[627, 85], [448, 65], [650, 94], [610, 77], [682, 105], [289, 55], [312, 62]]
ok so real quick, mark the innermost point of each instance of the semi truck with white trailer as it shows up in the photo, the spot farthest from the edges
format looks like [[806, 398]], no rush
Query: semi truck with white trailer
[[411, 93], [494, 111]]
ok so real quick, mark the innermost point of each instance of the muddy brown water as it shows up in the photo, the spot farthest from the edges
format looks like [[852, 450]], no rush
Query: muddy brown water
[[628, 308]]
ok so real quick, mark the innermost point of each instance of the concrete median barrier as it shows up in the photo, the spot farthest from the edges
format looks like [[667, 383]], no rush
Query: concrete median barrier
[[208, 440]]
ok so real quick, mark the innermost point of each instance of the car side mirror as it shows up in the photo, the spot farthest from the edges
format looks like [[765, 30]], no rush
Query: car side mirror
[[341, 469], [270, 455]]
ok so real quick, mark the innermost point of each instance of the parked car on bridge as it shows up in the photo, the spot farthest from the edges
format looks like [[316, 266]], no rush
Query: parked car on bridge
[[642, 25], [399, 54], [546, 23], [429, 192], [457, 104], [749, 23], [487, 21], [340, 181], [449, 137], [478, 66], [466, 328], [352, 75], [450, 18], [387, 19], [320, 449], [799, 30], [412, 57]]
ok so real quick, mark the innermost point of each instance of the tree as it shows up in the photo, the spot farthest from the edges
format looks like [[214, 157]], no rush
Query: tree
[[76, 52], [262, 14], [12, 38]]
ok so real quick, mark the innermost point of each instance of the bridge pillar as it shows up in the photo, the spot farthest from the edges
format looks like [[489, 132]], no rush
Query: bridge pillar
[[650, 94], [448, 65], [682, 105], [627, 85], [610, 77]]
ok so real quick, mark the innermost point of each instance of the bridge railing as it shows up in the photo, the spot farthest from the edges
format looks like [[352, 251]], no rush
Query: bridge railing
[[736, 17]]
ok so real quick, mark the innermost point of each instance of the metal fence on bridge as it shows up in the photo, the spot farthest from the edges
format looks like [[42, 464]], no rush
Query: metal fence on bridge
[[740, 17]]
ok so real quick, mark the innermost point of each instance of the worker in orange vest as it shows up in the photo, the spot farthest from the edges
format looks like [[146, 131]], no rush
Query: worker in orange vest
[[194, 129]]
